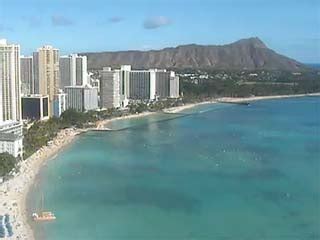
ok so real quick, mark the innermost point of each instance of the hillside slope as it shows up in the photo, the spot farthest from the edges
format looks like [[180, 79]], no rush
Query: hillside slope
[[249, 54]]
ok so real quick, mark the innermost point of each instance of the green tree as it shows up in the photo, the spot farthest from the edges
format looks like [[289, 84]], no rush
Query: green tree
[[7, 163]]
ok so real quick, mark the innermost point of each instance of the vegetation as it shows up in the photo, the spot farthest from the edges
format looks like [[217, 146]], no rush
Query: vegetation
[[7, 164], [139, 107], [199, 85], [41, 132]]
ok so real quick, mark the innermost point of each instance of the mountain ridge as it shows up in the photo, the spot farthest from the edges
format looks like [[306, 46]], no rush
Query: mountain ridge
[[244, 54]]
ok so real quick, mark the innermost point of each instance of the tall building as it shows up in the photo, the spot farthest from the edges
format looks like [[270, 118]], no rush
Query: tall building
[[174, 85], [81, 70], [27, 77], [47, 76], [124, 83], [35, 107], [81, 98], [73, 71], [153, 84], [35, 58], [110, 88], [117, 87], [10, 99], [10, 102], [139, 85], [67, 71], [162, 84]]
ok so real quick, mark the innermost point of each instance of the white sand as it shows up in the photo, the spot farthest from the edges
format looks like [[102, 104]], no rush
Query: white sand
[[13, 192], [102, 124], [187, 106]]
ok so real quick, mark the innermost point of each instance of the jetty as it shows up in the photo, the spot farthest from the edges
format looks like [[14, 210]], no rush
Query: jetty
[[234, 102], [176, 113], [100, 129]]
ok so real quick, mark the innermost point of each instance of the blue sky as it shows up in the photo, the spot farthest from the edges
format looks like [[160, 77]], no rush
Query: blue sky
[[291, 27]]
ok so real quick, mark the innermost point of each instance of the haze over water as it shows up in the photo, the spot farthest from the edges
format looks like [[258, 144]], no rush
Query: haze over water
[[226, 172]]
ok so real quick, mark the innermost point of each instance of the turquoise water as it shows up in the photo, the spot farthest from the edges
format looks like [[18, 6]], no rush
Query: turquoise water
[[225, 172]]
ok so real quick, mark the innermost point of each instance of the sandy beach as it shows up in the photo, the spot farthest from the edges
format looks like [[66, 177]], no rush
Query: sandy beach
[[101, 124], [13, 193], [257, 98], [236, 100]]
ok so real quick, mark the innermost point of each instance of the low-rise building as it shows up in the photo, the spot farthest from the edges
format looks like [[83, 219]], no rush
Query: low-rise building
[[35, 107], [11, 137], [59, 104]]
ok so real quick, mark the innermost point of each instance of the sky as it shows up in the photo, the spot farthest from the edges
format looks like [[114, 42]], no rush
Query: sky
[[290, 27]]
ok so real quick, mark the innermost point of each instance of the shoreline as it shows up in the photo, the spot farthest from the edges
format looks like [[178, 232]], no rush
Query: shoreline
[[257, 98], [14, 192], [101, 124], [237, 100]]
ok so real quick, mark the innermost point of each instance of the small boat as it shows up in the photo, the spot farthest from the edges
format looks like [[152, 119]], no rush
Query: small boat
[[43, 216]]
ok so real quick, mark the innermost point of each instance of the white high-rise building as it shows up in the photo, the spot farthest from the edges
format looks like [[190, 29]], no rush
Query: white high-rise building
[[117, 87], [10, 99], [152, 84], [124, 84], [110, 88], [174, 85], [81, 98], [73, 71]]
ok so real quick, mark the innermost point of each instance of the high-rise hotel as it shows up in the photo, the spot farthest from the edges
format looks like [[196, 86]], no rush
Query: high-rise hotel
[[27, 76], [110, 88], [46, 73], [10, 99], [118, 87], [73, 71]]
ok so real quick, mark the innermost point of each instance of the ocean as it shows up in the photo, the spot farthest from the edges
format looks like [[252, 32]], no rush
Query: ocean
[[220, 171]]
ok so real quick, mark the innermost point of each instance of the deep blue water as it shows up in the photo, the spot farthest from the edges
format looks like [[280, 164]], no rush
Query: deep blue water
[[226, 172]]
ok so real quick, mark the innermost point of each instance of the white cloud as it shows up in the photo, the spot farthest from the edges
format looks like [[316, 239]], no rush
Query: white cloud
[[58, 20], [116, 19], [156, 22]]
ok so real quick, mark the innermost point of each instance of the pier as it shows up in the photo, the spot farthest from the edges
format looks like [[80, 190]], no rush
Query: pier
[[236, 103], [101, 129]]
